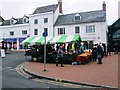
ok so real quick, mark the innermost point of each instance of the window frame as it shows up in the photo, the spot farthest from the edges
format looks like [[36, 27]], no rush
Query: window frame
[[35, 21], [90, 29], [46, 29], [77, 30], [11, 33], [77, 18], [45, 20], [24, 20], [23, 32], [35, 31], [61, 31]]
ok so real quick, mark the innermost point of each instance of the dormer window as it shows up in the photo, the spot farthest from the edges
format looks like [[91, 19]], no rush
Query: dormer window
[[24, 20], [12, 22], [77, 17]]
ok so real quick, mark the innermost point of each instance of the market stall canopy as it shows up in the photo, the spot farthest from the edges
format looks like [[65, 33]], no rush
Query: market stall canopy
[[1, 40], [51, 39]]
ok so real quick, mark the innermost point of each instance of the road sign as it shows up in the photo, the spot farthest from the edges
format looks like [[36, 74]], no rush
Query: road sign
[[45, 34]]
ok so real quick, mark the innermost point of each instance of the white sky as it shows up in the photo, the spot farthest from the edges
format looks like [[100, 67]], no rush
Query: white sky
[[17, 8]]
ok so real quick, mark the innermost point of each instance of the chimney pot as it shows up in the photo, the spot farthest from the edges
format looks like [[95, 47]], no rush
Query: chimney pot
[[60, 6], [104, 6]]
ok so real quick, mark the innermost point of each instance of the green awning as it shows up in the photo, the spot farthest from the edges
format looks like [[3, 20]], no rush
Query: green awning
[[51, 39]]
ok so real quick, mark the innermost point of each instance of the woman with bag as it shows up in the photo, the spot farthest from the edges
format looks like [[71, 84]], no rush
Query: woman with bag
[[59, 57]]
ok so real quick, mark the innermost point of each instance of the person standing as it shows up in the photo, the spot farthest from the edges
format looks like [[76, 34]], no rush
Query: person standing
[[116, 48], [108, 49], [100, 53], [94, 53], [60, 57]]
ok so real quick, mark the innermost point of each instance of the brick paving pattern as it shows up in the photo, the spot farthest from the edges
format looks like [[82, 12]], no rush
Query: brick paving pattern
[[100, 74]]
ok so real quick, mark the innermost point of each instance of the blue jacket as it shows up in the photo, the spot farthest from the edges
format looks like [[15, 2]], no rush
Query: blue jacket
[[99, 50]]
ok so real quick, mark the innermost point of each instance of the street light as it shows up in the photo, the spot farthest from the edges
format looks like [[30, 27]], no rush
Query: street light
[[45, 34]]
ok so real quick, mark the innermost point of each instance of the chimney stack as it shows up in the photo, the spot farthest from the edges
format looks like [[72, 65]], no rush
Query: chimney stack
[[60, 6], [104, 6]]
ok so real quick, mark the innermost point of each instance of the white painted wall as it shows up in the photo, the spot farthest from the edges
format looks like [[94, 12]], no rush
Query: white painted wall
[[98, 36], [41, 25], [56, 14], [5, 30]]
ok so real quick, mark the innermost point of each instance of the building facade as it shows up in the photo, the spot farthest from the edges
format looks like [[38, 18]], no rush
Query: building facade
[[14, 31], [91, 25], [114, 35], [87, 24]]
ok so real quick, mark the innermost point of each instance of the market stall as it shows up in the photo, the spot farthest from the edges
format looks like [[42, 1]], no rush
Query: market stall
[[37, 53], [84, 58], [51, 39]]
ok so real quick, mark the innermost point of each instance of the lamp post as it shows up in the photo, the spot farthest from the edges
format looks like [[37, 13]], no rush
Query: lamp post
[[45, 34]]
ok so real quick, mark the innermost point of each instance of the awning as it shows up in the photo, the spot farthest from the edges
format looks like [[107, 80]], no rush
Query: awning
[[1, 40], [51, 39]]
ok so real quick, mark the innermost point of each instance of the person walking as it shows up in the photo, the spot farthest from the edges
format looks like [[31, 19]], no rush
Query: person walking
[[60, 57], [100, 53]]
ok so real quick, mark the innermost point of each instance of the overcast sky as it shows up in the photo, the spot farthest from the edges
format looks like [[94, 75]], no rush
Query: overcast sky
[[17, 8]]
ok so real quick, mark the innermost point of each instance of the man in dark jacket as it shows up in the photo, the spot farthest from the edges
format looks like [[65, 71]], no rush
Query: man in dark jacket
[[108, 49], [94, 53]]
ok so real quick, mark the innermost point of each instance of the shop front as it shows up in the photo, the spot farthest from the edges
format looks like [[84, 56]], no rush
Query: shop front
[[14, 43]]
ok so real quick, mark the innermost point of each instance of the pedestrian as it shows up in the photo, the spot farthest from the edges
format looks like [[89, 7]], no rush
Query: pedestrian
[[60, 57], [116, 48], [108, 49], [100, 53], [82, 48], [94, 53], [104, 49]]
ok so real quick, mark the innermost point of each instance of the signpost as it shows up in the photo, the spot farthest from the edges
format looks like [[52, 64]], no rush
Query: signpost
[[45, 34]]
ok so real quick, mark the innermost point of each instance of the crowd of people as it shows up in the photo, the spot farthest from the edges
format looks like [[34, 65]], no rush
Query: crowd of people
[[98, 51]]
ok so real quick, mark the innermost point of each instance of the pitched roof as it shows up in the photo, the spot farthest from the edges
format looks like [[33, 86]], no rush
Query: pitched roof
[[44, 9], [6, 22], [1, 19], [86, 17], [116, 24], [19, 21]]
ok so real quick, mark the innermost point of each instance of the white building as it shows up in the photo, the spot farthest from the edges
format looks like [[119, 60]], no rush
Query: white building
[[90, 25], [119, 9], [43, 19], [14, 31]]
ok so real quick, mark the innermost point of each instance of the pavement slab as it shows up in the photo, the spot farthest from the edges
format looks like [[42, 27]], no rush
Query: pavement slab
[[105, 74]]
